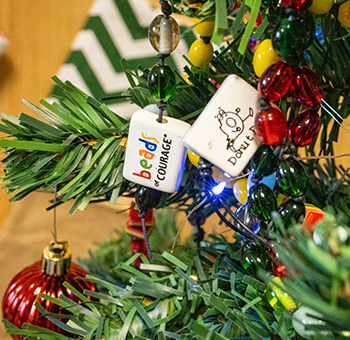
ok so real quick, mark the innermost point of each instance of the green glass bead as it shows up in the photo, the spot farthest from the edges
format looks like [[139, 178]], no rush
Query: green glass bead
[[276, 10], [287, 38], [264, 162], [164, 34], [291, 178], [161, 82], [292, 211], [261, 201], [254, 257]]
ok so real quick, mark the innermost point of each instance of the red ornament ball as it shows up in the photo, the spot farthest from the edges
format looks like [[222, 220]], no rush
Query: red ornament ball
[[18, 305], [297, 4], [275, 81], [271, 126], [304, 128], [307, 86]]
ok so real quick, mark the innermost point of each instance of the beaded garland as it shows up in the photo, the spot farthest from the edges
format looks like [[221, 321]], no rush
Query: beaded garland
[[276, 64], [164, 36], [271, 125]]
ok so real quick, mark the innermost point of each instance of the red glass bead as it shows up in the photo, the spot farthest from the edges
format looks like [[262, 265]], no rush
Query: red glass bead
[[307, 86], [271, 126], [296, 4], [275, 81], [304, 128]]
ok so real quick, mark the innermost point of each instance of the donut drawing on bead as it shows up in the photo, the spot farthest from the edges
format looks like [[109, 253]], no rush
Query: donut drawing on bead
[[232, 125]]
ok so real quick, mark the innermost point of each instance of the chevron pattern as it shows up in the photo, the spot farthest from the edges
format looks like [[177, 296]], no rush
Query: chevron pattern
[[115, 29]]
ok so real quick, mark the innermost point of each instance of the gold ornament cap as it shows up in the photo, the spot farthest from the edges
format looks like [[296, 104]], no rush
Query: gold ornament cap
[[56, 258]]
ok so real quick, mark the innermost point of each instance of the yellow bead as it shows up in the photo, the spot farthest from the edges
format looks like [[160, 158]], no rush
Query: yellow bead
[[193, 157], [281, 199], [240, 190], [277, 298], [204, 28], [344, 14], [321, 6], [219, 176], [187, 80], [201, 53], [264, 56], [196, 4]]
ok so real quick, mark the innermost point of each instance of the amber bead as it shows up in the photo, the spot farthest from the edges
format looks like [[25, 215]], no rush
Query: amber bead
[[164, 34], [271, 126], [275, 81], [306, 86], [304, 127]]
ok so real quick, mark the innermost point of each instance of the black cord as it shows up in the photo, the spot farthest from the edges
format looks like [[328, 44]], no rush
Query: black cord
[[206, 40], [165, 8], [197, 219], [145, 236], [228, 223], [251, 233], [161, 57], [161, 107], [246, 232]]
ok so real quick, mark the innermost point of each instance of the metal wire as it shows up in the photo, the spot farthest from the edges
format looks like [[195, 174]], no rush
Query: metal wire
[[54, 231]]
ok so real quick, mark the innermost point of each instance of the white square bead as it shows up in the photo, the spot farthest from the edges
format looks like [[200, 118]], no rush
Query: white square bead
[[224, 132], [155, 155]]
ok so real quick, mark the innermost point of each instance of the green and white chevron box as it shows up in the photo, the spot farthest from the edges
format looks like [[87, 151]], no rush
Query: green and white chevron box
[[115, 30]]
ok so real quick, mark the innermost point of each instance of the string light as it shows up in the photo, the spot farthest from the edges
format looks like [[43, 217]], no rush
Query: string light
[[218, 189]]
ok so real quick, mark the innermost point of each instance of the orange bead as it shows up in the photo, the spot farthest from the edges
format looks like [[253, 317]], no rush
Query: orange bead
[[312, 216]]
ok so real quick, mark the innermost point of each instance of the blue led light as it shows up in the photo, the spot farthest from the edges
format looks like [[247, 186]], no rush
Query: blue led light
[[218, 189]]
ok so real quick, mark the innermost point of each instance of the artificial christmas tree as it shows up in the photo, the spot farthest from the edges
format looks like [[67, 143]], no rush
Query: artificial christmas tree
[[275, 279]]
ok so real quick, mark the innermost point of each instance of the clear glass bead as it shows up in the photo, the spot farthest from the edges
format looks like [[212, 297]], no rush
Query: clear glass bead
[[164, 34]]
